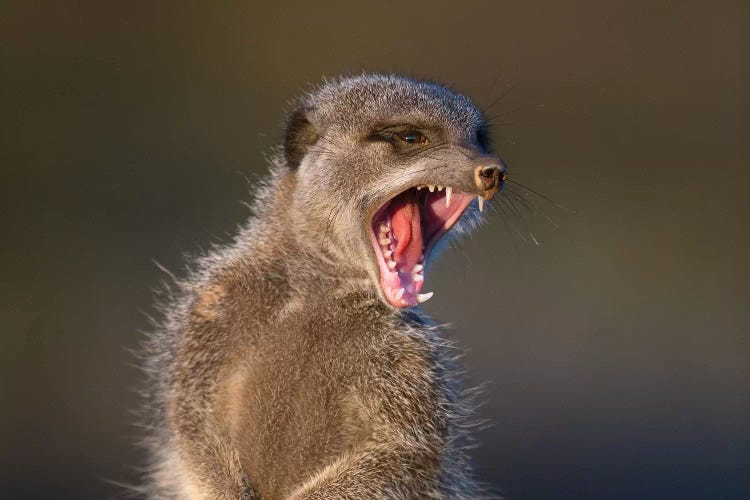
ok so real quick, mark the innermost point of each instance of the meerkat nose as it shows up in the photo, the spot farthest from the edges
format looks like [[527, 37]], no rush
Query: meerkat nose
[[488, 179]]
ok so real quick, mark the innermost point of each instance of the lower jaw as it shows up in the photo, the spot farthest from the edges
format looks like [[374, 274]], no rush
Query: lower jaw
[[402, 287]]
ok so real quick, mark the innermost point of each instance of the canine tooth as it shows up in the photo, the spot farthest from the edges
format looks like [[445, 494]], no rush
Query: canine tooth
[[431, 187], [480, 200], [424, 297], [418, 268], [448, 193], [417, 277], [392, 265], [399, 294]]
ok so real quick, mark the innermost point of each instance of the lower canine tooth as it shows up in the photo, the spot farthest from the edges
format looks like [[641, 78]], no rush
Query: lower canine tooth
[[424, 297], [399, 294], [448, 193], [480, 200]]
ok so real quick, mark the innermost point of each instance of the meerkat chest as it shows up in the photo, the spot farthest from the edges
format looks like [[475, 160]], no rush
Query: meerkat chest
[[286, 398], [294, 401]]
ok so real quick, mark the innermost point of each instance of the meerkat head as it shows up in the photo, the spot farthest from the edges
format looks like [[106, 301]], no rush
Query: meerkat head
[[386, 166]]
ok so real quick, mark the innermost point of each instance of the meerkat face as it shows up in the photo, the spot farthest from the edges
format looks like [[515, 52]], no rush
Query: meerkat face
[[399, 163]]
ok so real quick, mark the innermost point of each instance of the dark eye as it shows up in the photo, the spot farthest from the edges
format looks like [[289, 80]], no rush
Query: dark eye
[[413, 137]]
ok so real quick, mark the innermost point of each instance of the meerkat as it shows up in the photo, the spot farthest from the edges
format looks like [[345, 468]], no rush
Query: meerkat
[[295, 363]]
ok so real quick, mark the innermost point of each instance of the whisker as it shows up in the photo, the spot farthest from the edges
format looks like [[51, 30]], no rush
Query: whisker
[[512, 231], [521, 224], [516, 211], [544, 197], [502, 96], [526, 203], [533, 207], [492, 125], [516, 110]]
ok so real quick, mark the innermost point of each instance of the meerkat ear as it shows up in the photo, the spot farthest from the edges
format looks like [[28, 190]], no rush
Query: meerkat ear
[[300, 135]]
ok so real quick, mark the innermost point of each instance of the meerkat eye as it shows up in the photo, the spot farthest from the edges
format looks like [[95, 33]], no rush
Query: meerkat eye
[[413, 137]]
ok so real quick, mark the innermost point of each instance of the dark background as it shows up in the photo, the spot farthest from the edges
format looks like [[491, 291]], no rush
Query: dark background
[[615, 353]]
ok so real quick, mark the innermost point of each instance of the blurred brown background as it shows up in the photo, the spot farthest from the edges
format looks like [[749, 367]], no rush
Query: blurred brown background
[[616, 353]]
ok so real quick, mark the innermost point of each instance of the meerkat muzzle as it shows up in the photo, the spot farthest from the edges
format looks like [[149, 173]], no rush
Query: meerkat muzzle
[[403, 232], [407, 226]]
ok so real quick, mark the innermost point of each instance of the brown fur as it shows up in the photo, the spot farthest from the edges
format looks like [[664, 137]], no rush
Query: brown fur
[[280, 371]]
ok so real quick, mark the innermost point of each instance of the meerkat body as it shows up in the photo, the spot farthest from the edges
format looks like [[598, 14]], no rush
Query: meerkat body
[[293, 363]]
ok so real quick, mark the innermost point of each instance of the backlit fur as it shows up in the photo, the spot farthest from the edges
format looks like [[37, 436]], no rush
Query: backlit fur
[[279, 371]]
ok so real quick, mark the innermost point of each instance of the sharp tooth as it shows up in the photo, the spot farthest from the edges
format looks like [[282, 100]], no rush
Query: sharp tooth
[[431, 187], [392, 265], [417, 277], [419, 187], [399, 294], [385, 241], [448, 193], [480, 200], [424, 297], [418, 268], [387, 253], [384, 229], [439, 187]]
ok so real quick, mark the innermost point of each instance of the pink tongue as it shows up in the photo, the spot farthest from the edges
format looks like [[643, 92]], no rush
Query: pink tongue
[[406, 229]]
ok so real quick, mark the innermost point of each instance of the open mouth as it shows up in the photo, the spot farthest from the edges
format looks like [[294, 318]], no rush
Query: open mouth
[[403, 232]]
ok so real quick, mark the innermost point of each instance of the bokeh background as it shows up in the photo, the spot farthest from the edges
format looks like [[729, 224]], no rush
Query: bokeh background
[[615, 353]]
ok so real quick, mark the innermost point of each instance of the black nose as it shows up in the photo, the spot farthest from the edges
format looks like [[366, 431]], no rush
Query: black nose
[[489, 179]]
